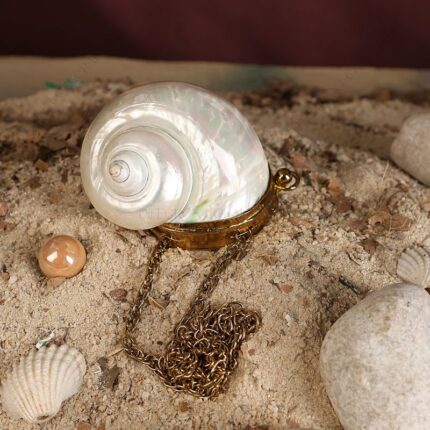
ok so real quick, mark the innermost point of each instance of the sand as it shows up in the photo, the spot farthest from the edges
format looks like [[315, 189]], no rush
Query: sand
[[352, 215]]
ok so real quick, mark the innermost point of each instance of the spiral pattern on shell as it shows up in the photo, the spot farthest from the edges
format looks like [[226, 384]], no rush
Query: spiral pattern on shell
[[171, 152]]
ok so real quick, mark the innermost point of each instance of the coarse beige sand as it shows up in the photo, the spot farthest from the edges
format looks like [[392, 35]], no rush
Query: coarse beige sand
[[352, 215]]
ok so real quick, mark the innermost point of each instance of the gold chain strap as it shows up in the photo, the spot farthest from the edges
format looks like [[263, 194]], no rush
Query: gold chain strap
[[206, 343]]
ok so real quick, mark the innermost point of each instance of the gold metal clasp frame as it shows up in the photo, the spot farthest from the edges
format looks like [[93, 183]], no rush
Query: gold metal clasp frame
[[216, 234]]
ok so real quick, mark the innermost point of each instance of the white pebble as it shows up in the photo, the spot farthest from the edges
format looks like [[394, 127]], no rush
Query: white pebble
[[411, 149], [375, 361]]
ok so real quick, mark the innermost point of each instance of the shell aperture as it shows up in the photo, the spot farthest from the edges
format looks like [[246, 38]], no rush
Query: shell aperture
[[171, 152]]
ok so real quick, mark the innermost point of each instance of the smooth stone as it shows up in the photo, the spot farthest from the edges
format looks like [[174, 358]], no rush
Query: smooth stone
[[375, 361], [61, 256], [411, 148]]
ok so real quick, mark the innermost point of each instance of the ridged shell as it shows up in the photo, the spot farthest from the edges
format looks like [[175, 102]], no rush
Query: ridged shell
[[414, 266], [36, 387]]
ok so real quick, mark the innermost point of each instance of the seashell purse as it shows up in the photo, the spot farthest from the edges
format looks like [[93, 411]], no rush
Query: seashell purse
[[178, 160]]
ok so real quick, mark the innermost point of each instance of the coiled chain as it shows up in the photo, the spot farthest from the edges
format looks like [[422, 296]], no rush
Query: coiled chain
[[206, 342]]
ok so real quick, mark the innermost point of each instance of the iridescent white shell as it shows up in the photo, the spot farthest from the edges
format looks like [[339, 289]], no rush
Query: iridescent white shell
[[171, 152], [414, 266], [36, 387]]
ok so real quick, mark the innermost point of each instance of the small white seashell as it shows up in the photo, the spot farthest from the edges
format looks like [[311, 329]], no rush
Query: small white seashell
[[414, 266], [36, 387]]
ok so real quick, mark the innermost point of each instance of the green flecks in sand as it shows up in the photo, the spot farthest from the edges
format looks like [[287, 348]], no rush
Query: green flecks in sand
[[51, 85], [68, 84], [72, 83]]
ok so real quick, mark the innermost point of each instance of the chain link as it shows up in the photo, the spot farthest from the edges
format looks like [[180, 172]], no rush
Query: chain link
[[206, 342]]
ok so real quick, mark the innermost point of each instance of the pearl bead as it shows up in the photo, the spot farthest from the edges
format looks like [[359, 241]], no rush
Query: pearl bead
[[61, 256]]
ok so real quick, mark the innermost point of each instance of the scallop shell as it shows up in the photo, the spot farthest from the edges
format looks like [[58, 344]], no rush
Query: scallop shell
[[171, 152], [414, 266], [36, 387]]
